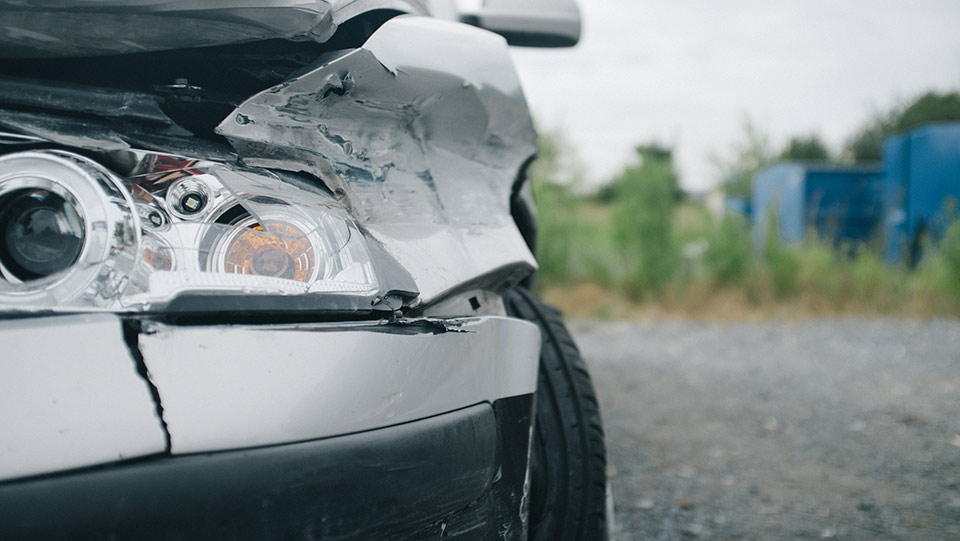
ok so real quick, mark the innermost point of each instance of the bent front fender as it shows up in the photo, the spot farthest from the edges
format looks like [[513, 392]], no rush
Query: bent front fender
[[423, 132]]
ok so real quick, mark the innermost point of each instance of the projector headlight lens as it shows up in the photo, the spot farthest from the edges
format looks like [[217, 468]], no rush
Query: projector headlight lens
[[69, 234], [42, 234], [273, 248]]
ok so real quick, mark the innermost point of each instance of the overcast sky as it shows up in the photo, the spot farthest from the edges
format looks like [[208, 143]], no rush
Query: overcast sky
[[686, 72]]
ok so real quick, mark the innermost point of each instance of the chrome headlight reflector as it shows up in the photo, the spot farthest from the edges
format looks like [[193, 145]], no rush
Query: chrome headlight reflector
[[75, 236], [70, 236]]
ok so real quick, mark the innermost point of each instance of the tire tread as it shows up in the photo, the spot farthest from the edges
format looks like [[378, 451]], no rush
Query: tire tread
[[566, 398]]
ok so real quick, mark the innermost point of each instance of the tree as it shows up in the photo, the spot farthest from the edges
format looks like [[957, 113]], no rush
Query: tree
[[554, 177], [643, 216], [655, 151], [747, 157], [663, 154], [808, 148], [557, 161], [867, 143]]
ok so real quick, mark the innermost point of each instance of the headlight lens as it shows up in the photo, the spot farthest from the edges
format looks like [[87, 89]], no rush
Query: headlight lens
[[76, 236], [273, 248], [42, 234], [69, 234]]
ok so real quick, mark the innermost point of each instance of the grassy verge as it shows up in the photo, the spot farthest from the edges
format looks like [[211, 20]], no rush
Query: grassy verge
[[652, 257]]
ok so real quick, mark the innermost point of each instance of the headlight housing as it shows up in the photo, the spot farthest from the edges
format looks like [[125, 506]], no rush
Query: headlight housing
[[178, 234], [69, 233]]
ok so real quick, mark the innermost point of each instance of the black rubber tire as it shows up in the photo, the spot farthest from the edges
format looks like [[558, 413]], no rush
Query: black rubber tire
[[568, 460]]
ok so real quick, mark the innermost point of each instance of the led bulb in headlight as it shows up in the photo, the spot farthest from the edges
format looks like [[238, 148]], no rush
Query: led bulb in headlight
[[68, 231]]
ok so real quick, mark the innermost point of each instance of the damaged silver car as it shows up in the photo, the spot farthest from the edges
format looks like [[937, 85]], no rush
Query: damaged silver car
[[264, 274]]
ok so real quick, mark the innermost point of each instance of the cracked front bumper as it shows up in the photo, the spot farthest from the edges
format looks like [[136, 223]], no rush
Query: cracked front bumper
[[101, 416], [71, 396], [418, 480]]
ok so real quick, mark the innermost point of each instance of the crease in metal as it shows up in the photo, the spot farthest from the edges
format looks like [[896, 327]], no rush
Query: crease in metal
[[420, 133], [422, 130]]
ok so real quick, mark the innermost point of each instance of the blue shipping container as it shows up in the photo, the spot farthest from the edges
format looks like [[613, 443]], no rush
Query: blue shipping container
[[842, 204], [733, 204], [923, 176]]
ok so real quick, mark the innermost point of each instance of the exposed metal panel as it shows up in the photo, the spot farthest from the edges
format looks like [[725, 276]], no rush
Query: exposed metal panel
[[70, 396], [228, 387], [429, 116]]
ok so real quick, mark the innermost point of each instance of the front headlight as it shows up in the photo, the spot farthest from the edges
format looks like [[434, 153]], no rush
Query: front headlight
[[178, 234]]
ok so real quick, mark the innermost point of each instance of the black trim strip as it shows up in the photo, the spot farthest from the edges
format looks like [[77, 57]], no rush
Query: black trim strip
[[390, 482]]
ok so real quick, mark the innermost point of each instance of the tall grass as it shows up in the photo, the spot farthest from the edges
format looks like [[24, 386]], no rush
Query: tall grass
[[638, 240], [575, 244], [729, 252], [645, 248]]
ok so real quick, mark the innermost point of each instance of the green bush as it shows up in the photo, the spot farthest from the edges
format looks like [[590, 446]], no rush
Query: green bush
[[642, 223], [779, 261], [873, 281], [950, 253], [942, 269], [643, 240], [729, 251], [557, 226], [820, 270], [573, 248]]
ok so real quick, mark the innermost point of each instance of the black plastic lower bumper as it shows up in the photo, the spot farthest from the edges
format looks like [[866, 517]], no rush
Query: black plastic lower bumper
[[439, 476]]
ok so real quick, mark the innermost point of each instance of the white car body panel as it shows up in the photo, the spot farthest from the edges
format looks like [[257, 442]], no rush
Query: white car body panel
[[70, 396], [228, 387]]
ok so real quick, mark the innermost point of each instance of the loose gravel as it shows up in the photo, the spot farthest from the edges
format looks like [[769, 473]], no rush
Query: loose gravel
[[846, 429]]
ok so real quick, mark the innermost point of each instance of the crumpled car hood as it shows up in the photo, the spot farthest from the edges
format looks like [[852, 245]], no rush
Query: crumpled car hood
[[56, 28]]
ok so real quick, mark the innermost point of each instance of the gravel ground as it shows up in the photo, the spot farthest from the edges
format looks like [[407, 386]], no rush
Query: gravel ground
[[846, 429]]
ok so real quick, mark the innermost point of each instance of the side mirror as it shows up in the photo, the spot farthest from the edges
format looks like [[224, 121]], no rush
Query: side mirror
[[527, 23]]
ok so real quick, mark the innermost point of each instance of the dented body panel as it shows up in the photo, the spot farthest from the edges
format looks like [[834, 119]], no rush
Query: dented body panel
[[424, 131], [417, 130]]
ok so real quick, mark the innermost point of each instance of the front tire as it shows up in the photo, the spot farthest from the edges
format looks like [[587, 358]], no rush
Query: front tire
[[568, 500]]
